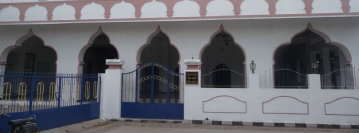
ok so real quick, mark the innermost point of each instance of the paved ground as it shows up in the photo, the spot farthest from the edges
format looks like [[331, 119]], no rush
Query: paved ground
[[98, 126]]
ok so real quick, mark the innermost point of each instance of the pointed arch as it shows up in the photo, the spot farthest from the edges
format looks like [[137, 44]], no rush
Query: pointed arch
[[19, 43], [90, 43], [148, 41], [234, 82], [222, 29], [327, 42], [321, 34]]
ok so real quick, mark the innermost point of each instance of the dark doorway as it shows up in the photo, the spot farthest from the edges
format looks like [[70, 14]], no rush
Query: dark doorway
[[164, 56], [223, 63], [295, 60], [30, 57], [96, 55]]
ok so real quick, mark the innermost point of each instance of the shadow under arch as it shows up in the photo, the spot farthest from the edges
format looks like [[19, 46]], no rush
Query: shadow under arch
[[94, 41], [236, 69], [159, 34], [314, 41], [19, 44], [163, 58]]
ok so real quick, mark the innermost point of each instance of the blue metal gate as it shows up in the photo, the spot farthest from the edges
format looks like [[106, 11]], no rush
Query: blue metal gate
[[56, 99], [152, 91]]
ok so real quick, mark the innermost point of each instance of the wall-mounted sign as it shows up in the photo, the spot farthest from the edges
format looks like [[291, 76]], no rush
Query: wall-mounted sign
[[191, 77]]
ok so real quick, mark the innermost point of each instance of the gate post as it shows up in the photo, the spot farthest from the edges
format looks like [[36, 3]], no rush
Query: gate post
[[191, 85], [314, 82], [110, 103]]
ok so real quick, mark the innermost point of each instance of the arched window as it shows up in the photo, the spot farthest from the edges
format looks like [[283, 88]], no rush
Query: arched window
[[223, 63], [32, 56], [297, 59]]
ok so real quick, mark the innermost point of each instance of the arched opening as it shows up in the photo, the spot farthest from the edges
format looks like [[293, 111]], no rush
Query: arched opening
[[297, 59], [161, 51], [94, 59], [29, 57], [223, 63], [32, 56], [164, 58]]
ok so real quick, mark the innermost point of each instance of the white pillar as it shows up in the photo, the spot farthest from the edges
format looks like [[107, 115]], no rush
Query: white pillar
[[253, 81], [110, 106], [193, 65], [314, 82]]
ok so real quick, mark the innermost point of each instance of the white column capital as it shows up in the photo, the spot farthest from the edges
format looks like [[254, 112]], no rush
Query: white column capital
[[115, 63], [192, 64]]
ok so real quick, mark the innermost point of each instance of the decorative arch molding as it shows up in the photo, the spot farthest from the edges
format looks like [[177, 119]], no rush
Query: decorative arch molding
[[149, 39], [19, 42], [138, 4], [89, 44], [58, 15], [284, 104], [233, 105], [344, 106], [326, 39], [36, 13], [9, 13], [87, 14]]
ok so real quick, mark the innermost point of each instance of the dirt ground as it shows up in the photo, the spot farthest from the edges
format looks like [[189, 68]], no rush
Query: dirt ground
[[99, 126]]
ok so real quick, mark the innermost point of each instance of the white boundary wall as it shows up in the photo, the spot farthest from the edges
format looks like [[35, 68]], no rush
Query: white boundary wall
[[254, 104], [255, 36]]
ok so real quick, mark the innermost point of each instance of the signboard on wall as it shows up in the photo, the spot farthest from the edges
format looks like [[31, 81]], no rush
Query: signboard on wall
[[191, 77]]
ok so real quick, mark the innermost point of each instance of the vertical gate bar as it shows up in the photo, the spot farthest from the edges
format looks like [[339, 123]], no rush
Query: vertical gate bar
[[168, 86], [122, 89], [152, 82], [132, 95], [71, 88], [136, 93], [59, 95], [99, 90], [124, 86], [59, 101], [82, 88], [130, 87], [31, 92]]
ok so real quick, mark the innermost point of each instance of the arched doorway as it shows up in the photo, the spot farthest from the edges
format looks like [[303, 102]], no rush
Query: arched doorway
[[164, 55], [95, 54], [27, 58], [155, 89], [223, 63], [307, 49], [31, 57]]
